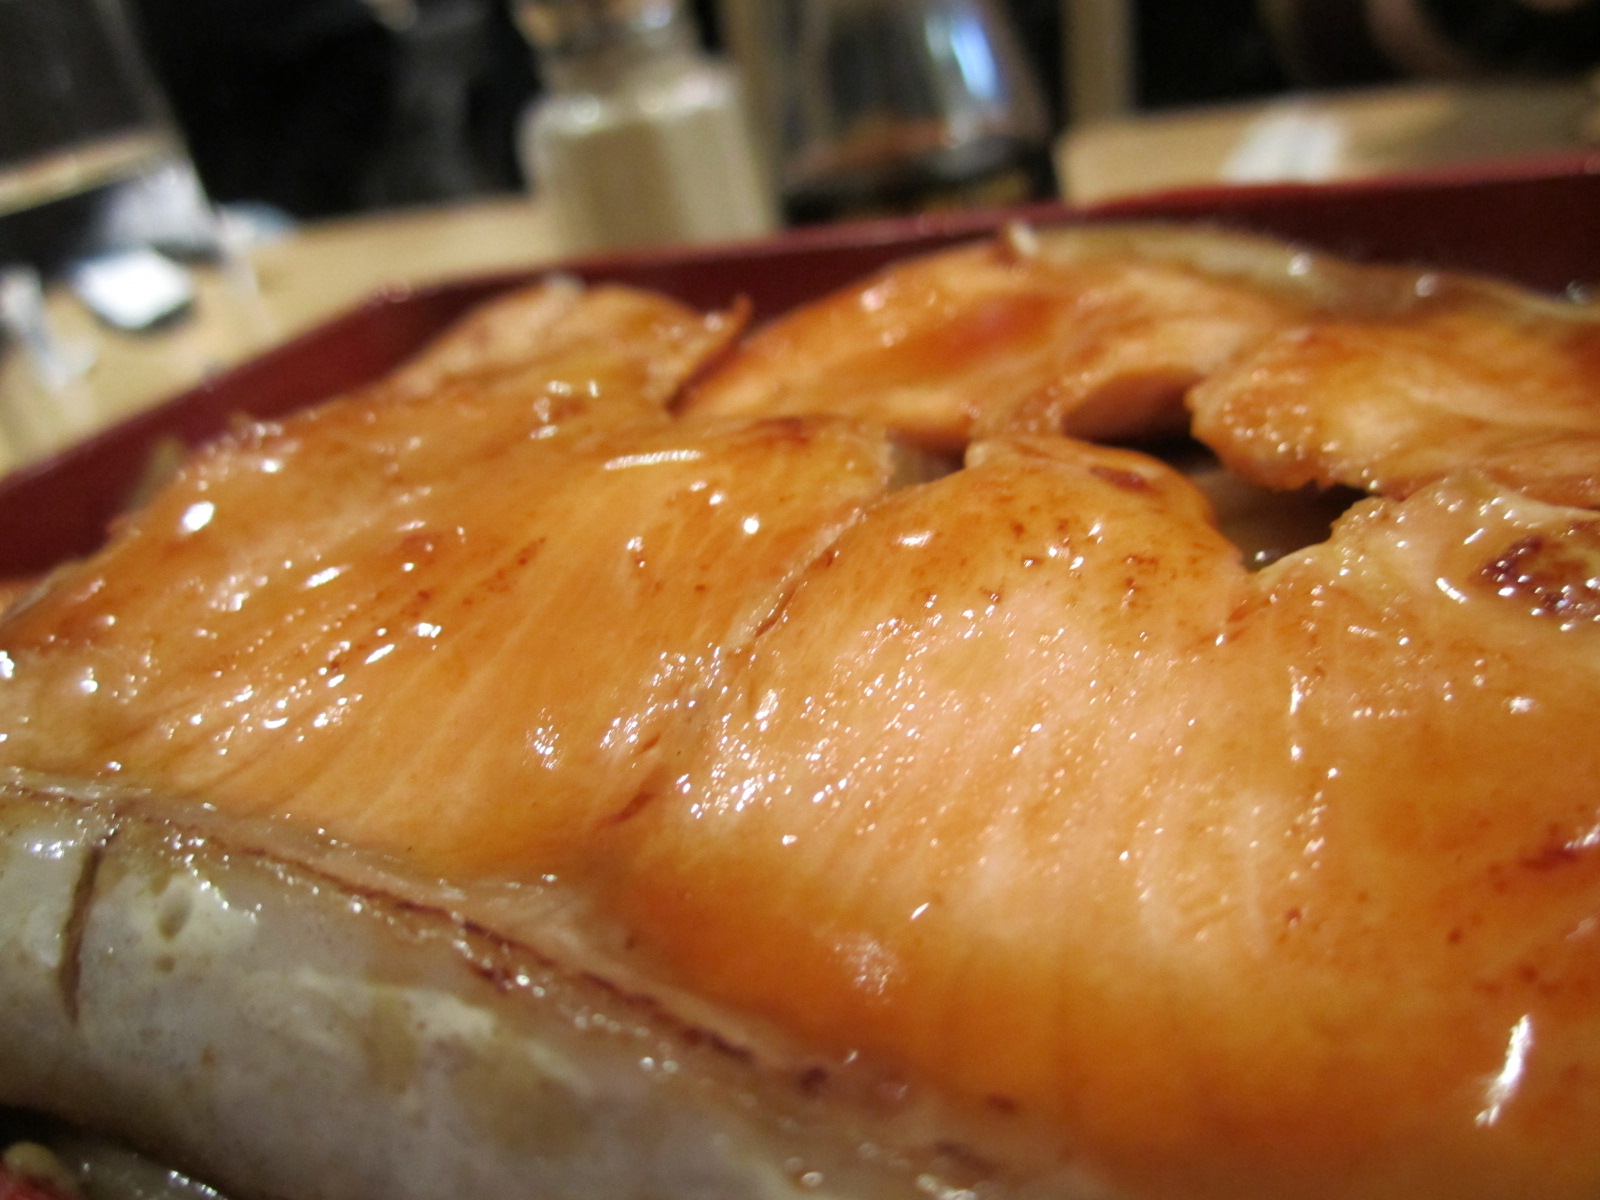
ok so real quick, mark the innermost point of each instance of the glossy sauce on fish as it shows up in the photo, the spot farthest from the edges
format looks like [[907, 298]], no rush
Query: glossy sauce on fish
[[1098, 337], [1016, 786], [1251, 883], [1462, 378], [450, 626]]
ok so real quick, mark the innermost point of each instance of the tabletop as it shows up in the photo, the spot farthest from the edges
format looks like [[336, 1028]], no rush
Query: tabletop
[[272, 291]]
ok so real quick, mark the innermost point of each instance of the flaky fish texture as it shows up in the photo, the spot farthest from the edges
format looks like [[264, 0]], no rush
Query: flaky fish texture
[[1309, 369], [601, 760]]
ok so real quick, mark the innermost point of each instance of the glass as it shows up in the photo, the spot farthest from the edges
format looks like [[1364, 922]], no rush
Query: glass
[[898, 106], [102, 222]]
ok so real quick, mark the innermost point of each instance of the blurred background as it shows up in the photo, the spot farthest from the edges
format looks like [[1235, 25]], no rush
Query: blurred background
[[324, 107], [184, 183]]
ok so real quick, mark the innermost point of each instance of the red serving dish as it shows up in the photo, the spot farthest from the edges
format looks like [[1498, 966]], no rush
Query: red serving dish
[[1538, 224]]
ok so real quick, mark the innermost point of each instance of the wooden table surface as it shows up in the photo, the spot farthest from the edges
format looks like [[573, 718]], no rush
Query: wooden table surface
[[1321, 138], [282, 288]]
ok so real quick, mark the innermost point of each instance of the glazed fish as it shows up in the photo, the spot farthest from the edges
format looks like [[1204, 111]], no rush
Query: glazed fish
[[601, 760]]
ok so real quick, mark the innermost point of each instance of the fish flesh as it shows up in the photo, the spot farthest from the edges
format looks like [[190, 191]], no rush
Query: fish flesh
[[1097, 334], [1297, 368], [601, 759], [1457, 375]]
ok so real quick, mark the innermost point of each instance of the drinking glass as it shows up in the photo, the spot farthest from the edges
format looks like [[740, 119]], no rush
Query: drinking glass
[[109, 249]]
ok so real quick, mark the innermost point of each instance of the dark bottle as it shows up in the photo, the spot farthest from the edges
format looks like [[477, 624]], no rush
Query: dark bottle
[[903, 106]]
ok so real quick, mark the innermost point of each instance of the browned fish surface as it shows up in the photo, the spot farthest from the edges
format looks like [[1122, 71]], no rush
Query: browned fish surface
[[1299, 368], [1243, 884], [1042, 836], [1096, 333], [568, 341], [1463, 377], [448, 625]]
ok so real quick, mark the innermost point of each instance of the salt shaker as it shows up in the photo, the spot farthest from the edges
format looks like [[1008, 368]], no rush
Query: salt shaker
[[641, 138]]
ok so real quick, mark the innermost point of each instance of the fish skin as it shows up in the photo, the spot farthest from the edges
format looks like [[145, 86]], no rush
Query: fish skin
[[277, 1026]]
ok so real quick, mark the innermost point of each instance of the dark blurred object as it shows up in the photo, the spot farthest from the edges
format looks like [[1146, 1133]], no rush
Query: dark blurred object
[[89, 160], [1326, 43], [104, 90], [1189, 53], [323, 107], [1179, 53], [1040, 26], [900, 106], [434, 143], [1125, 56]]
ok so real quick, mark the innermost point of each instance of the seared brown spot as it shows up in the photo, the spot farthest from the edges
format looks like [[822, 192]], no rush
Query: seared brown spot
[[695, 1035], [641, 800], [1555, 579], [1128, 481], [813, 1080], [965, 1163], [1551, 856], [796, 430]]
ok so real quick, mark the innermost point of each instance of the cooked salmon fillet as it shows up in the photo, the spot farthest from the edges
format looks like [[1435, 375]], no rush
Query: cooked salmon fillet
[[1034, 790], [1098, 335], [1298, 368], [597, 761], [1463, 378]]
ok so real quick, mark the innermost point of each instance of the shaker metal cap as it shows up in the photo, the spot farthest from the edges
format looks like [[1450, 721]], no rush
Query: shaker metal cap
[[566, 26]]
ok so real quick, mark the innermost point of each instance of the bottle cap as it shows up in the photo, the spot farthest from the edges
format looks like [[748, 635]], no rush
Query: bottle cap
[[579, 26]]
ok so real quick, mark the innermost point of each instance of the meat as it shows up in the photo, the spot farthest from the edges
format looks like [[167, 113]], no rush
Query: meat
[[539, 775], [1098, 334], [520, 599], [1035, 791], [1298, 368], [1459, 376], [527, 630]]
